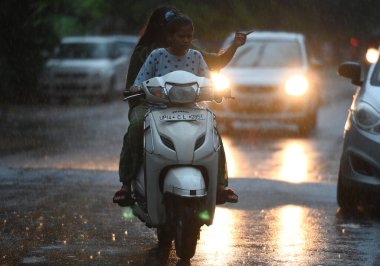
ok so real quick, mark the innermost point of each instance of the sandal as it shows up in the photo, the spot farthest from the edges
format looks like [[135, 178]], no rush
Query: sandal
[[123, 197], [226, 194]]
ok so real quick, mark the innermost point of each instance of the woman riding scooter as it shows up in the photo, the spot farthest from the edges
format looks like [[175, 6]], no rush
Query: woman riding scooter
[[132, 151]]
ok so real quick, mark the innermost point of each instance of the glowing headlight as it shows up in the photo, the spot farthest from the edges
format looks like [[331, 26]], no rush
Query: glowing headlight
[[372, 55], [296, 85], [367, 118], [220, 82]]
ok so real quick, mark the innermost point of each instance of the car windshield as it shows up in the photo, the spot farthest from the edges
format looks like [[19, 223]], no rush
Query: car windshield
[[268, 53], [90, 50]]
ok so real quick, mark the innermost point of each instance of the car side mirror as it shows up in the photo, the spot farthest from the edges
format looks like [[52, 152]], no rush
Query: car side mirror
[[351, 70]]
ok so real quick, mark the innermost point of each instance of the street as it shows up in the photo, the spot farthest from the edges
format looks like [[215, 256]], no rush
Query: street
[[58, 173]]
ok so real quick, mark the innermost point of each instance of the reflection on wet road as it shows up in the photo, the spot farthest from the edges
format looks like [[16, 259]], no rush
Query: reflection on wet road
[[291, 232], [291, 160], [217, 240], [286, 215]]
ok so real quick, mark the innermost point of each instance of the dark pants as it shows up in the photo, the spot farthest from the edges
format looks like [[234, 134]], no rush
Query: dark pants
[[131, 156]]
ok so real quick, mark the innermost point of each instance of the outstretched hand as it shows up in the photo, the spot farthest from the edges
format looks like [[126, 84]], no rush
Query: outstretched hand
[[240, 38]]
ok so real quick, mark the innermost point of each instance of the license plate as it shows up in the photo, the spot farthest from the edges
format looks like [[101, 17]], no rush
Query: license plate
[[182, 116]]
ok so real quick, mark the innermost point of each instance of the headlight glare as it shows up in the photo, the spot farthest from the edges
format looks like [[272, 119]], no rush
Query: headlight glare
[[372, 55], [220, 82], [296, 85]]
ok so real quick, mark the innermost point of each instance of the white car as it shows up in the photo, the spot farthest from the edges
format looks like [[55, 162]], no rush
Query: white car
[[87, 66], [272, 79]]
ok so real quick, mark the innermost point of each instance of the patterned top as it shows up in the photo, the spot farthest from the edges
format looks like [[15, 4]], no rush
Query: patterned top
[[161, 62]]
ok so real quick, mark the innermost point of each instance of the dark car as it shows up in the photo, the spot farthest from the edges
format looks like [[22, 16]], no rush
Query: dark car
[[359, 171]]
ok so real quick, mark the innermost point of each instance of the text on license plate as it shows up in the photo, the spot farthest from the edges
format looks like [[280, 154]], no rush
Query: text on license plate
[[182, 117]]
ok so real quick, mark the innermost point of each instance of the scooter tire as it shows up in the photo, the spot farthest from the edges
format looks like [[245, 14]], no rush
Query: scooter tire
[[186, 232], [165, 236]]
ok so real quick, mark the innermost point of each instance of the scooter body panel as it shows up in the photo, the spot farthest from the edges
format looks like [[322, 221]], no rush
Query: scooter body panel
[[180, 154]]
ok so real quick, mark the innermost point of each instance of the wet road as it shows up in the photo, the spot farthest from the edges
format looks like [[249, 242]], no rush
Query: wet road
[[58, 174]]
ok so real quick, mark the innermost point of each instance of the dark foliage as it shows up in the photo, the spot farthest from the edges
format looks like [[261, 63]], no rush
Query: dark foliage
[[30, 29]]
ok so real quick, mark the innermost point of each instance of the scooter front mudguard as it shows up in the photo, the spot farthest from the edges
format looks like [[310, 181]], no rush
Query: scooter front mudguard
[[185, 182]]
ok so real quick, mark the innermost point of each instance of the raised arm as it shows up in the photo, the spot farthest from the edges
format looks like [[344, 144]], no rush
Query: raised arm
[[216, 61]]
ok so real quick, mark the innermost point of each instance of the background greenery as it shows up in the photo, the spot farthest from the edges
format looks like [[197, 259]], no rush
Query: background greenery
[[30, 28]]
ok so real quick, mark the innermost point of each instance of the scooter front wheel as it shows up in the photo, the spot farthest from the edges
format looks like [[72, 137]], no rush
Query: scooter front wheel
[[187, 231], [165, 236]]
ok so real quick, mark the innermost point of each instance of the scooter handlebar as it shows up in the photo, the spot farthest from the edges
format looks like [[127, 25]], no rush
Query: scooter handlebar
[[130, 95]]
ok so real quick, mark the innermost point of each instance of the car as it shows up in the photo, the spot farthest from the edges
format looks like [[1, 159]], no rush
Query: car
[[87, 66], [274, 79], [358, 184]]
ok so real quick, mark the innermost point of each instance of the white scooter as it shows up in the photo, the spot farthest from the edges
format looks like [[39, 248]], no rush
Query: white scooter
[[175, 190]]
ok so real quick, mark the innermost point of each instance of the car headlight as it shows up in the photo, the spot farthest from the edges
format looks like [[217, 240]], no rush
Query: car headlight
[[220, 82], [296, 85], [221, 85], [372, 55], [367, 118]]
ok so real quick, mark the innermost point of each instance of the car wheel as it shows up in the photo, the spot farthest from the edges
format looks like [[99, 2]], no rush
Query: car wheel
[[346, 196]]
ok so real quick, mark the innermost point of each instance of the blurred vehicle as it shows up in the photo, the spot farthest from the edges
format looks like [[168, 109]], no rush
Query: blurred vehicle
[[372, 53], [272, 79], [359, 170], [87, 65]]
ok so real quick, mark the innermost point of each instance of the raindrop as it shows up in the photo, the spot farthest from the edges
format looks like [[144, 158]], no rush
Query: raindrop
[[113, 237], [64, 242], [343, 231], [91, 257], [99, 253], [126, 232]]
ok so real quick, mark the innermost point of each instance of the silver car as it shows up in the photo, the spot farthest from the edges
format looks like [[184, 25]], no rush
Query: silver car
[[87, 66], [272, 79], [359, 171]]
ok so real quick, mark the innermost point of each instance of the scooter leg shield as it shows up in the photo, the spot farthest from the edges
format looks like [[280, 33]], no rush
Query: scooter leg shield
[[185, 182]]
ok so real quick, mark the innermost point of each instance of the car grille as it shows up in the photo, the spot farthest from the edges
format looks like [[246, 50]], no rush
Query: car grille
[[65, 75], [256, 89], [71, 87]]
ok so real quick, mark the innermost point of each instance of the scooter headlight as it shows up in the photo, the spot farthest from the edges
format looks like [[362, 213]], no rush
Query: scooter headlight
[[367, 118], [296, 85], [182, 93], [158, 92]]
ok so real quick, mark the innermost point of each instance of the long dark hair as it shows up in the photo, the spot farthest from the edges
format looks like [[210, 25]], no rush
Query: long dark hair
[[154, 32]]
